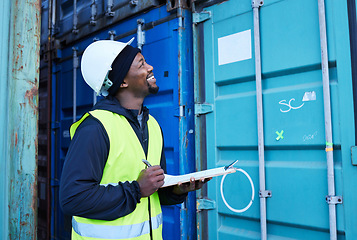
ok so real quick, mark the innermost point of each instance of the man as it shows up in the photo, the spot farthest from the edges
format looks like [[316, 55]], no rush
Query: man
[[105, 186]]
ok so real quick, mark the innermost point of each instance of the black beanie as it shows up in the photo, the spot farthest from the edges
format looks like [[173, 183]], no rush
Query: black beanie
[[120, 67]]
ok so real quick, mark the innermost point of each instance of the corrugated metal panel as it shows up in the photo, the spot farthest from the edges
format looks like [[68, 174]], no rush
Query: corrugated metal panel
[[22, 115], [168, 49], [93, 16], [294, 131]]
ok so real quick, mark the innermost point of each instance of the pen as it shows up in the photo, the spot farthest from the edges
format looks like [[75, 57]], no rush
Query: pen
[[146, 162], [230, 165]]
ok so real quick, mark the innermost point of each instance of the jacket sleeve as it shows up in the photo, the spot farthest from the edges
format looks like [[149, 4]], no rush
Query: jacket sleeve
[[167, 197], [80, 191]]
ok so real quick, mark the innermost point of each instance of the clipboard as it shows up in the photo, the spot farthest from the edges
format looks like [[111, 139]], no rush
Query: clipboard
[[171, 180]]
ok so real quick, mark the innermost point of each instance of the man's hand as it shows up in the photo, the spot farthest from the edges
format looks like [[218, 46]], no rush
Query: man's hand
[[150, 180], [193, 185]]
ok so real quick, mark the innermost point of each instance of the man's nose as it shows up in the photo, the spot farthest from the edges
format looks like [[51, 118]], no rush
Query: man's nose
[[150, 68]]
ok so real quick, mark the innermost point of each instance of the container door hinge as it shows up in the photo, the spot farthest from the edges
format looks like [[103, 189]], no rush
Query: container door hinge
[[201, 16], [265, 193], [203, 108], [180, 111], [334, 199], [354, 155], [205, 204]]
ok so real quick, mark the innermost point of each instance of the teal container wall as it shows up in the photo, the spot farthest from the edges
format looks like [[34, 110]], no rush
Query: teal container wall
[[4, 66], [20, 38], [296, 171]]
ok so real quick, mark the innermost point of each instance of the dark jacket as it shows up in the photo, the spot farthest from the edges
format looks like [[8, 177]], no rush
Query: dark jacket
[[80, 192]]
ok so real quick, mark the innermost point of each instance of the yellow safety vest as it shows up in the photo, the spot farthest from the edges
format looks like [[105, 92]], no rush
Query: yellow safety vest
[[124, 164]]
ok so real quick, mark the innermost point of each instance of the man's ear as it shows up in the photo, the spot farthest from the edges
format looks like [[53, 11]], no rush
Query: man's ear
[[123, 85]]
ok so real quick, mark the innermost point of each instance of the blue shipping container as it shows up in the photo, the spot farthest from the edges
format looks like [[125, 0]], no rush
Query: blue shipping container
[[167, 47]]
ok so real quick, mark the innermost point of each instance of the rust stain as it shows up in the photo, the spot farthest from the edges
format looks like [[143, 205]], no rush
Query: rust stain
[[23, 223], [36, 146], [198, 231], [20, 46], [30, 94], [36, 4], [16, 139], [34, 194], [186, 139], [17, 59]]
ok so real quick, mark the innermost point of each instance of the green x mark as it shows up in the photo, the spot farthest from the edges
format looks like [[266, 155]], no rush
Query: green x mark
[[280, 135]]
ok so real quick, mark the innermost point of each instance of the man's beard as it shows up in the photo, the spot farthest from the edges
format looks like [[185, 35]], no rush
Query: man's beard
[[153, 90]]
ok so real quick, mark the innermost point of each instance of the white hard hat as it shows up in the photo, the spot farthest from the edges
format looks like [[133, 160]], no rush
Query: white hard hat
[[96, 62]]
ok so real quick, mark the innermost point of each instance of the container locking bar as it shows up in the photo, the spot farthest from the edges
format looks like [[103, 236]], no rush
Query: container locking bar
[[334, 199], [260, 122], [109, 12], [265, 193], [93, 8], [75, 18]]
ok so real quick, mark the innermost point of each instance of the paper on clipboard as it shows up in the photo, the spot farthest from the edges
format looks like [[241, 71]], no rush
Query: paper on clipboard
[[174, 180]]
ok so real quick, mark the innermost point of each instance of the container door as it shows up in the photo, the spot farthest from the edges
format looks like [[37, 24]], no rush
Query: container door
[[294, 131]]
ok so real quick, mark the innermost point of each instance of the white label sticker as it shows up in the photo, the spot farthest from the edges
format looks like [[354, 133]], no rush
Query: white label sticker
[[235, 47], [309, 96], [66, 134]]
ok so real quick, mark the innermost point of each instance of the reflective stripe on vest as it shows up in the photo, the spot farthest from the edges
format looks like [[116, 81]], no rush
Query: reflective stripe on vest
[[116, 232]]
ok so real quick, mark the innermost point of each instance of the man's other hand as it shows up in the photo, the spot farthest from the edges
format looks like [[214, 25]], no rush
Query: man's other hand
[[193, 185]]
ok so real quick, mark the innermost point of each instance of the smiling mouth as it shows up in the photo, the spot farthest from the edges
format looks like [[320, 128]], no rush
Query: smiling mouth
[[150, 78]]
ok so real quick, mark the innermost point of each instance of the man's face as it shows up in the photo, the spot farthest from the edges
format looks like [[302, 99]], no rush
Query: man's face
[[140, 78]]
